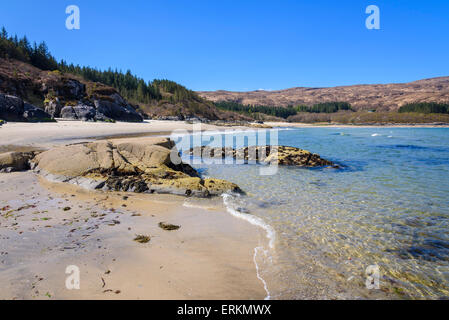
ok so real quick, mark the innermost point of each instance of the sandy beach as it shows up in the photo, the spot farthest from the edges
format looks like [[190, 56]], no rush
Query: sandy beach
[[63, 132], [45, 227]]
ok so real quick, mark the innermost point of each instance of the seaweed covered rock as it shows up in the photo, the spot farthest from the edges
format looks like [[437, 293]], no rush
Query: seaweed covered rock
[[281, 155], [133, 165]]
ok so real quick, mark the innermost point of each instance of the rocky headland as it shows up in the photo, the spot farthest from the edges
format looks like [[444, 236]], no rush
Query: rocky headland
[[29, 94]]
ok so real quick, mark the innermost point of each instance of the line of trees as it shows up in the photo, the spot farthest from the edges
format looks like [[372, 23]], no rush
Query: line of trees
[[21, 49], [128, 85], [283, 112], [425, 107], [248, 109], [325, 107]]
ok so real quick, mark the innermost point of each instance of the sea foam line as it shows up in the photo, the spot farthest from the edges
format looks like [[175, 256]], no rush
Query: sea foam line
[[265, 286], [270, 233]]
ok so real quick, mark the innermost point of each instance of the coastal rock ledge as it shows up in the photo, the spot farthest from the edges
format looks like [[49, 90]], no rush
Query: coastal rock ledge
[[281, 155], [133, 165]]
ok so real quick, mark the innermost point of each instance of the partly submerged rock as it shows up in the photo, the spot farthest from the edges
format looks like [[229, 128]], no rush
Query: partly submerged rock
[[281, 155], [133, 165], [15, 161]]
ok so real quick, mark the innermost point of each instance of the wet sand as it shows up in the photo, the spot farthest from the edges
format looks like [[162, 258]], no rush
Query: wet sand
[[209, 257]]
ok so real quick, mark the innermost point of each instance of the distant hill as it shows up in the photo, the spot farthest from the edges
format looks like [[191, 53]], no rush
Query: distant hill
[[381, 97]]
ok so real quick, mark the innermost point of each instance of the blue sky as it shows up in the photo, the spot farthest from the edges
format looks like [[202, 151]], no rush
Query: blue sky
[[245, 45]]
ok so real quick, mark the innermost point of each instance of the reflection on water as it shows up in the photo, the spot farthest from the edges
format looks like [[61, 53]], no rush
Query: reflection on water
[[388, 206]]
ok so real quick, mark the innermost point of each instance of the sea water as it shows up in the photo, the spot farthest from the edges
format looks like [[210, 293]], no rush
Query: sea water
[[388, 206]]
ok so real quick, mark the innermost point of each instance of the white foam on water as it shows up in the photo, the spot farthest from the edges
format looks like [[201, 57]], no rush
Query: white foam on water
[[375, 134], [270, 234], [265, 286]]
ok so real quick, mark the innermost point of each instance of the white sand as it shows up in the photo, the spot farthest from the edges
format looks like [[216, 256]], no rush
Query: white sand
[[63, 132]]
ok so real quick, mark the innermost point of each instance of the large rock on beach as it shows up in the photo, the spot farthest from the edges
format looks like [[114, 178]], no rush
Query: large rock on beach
[[134, 165], [79, 112], [13, 108], [117, 110]]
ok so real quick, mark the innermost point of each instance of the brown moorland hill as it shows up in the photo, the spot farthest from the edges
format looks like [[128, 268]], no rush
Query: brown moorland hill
[[382, 97]]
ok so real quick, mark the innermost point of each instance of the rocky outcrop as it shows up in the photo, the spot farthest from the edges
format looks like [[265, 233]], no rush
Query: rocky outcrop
[[80, 112], [15, 161], [116, 111], [73, 101], [281, 155], [133, 165], [15, 109], [53, 107]]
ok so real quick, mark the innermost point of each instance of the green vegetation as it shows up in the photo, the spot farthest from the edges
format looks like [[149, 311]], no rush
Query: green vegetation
[[283, 112], [325, 107], [36, 54], [252, 109], [425, 107]]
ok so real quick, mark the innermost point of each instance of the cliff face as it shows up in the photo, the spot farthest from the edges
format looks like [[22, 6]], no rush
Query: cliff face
[[382, 97], [56, 95]]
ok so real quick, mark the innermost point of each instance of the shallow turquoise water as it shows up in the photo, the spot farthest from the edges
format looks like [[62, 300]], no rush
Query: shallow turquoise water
[[388, 206]]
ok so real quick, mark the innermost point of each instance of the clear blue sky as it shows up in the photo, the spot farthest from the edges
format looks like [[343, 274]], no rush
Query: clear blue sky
[[245, 45]]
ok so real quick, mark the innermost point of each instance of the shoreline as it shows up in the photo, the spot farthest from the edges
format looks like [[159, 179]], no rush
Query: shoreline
[[49, 134], [212, 255]]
